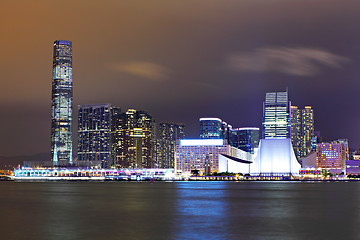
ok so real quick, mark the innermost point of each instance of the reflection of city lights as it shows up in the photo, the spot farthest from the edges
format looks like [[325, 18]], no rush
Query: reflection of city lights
[[92, 174]]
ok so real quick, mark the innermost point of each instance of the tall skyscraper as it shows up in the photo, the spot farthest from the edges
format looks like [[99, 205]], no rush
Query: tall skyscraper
[[61, 104], [276, 118], [94, 135], [169, 133], [133, 139], [307, 129], [302, 130]]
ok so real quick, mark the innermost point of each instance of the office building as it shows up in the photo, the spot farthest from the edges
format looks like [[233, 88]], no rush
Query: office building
[[246, 139], [133, 139], [94, 135], [61, 104], [214, 128], [169, 133], [275, 156], [276, 118]]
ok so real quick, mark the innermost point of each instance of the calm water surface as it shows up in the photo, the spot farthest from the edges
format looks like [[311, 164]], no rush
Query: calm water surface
[[179, 210]]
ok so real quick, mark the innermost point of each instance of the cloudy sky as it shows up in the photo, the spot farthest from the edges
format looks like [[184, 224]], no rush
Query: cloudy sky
[[181, 60]]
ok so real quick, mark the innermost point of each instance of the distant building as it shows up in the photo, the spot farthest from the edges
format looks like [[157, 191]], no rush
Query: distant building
[[133, 139], [169, 133], [246, 139], [276, 118], [61, 104], [94, 134]]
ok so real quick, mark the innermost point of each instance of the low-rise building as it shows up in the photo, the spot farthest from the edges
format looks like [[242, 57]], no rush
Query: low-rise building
[[210, 155], [332, 156]]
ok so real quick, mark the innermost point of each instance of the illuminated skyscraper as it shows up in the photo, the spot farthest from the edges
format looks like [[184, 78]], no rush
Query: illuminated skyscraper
[[276, 118], [302, 130], [296, 136], [307, 129], [61, 104]]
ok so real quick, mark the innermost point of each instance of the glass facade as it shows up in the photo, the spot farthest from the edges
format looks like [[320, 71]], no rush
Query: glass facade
[[94, 131], [276, 118], [214, 128], [61, 104], [211, 128], [246, 139]]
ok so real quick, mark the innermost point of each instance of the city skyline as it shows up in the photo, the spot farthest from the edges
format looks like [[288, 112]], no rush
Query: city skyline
[[178, 68]]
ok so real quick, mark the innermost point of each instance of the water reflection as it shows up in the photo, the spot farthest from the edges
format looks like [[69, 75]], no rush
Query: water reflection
[[268, 210], [88, 210], [183, 210], [201, 210]]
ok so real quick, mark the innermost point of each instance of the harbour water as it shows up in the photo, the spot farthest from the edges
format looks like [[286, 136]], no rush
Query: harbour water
[[180, 210]]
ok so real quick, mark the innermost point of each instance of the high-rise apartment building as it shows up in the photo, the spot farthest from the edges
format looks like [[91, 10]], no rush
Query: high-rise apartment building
[[61, 104], [296, 136], [169, 133], [94, 134], [133, 138], [302, 130], [276, 118], [307, 129]]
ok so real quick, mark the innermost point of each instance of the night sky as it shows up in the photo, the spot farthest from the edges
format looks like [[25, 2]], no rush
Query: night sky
[[181, 60]]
